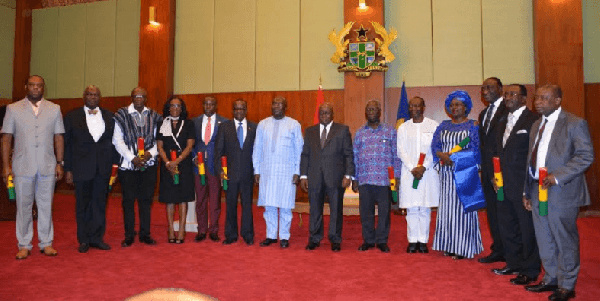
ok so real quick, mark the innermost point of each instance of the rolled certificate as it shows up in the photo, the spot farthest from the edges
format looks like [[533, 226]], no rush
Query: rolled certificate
[[113, 176], [224, 166], [499, 179], [10, 186], [140, 144], [201, 170], [176, 175], [421, 160], [543, 192], [393, 184], [460, 145]]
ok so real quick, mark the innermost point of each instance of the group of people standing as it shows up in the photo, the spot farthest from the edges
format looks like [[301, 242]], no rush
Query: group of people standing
[[438, 165]]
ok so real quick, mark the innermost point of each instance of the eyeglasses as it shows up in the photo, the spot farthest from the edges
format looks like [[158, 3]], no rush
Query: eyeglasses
[[175, 105]]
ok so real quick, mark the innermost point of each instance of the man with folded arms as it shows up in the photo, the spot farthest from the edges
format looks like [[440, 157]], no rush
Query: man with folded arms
[[37, 162], [88, 161], [560, 142]]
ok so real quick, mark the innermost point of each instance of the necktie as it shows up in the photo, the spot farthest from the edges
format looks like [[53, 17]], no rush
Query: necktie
[[207, 132], [509, 126], [240, 135], [323, 136], [93, 112], [534, 151], [488, 117]]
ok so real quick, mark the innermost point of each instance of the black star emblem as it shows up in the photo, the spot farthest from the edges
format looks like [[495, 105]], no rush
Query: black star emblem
[[362, 33]]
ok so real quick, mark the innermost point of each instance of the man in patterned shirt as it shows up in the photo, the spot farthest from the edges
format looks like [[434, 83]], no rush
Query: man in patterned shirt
[[374, 152]]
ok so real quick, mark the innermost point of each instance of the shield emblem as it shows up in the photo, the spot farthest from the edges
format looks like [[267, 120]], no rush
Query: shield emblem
[[362, 54]]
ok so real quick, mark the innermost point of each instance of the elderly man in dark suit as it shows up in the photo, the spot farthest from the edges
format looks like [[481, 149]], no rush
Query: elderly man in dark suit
[[515, 222], [235, 140], [208, 197], [326, 166], [88, 160], [491, 91], [560, 142]]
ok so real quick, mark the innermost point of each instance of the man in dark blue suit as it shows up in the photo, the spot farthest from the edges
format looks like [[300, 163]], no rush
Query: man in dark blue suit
[[88, 160], [514, 221], [326, 166], [208, 196], [235, 140]]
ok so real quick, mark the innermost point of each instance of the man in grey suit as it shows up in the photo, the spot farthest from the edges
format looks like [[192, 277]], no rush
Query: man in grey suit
[[37, 162], [561, 142], [326, 166]]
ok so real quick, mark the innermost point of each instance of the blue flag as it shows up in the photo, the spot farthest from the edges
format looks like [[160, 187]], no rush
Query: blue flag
[[402, 107]]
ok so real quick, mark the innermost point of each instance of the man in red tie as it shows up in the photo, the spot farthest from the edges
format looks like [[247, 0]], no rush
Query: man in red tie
[[208, 196]]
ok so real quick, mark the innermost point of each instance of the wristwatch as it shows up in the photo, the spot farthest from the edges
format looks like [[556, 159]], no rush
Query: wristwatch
[[61, 163]]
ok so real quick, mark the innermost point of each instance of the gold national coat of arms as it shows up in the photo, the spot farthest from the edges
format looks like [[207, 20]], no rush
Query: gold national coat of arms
[[362, 56]]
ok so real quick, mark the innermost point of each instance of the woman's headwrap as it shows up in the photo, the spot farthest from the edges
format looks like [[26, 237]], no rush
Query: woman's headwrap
[[461, 96]]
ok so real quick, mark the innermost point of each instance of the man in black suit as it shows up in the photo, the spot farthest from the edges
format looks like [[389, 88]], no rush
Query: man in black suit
[[515, 222], [235, 140], [560, 142], [326, 166], [491, 90], [88, 160]]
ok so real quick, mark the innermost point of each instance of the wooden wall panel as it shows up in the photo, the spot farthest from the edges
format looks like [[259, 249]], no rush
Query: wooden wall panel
[[7, 44], [357, 91], [43, 52], [22, 48], [558, 42], [591, 40], [592, 111], [157, 50]]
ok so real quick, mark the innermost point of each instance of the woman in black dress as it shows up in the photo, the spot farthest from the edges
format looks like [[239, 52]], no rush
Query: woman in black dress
[[176, 133]]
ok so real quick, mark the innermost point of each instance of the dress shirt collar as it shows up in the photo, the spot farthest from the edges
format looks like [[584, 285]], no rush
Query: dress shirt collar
[[86, 109], [327, 126], [131, 109], [498, 102], [554, 115], [237, 122], [517, 113]]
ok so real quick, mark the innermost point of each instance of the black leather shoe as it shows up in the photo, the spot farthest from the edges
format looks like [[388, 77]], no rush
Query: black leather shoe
[[383, 247], [491, 258], [449, 254], [541, 287], [200, 237], [147, 240], [214, 237], [127, 242], [423, 248], [83, 248], [229, 241], [505, 271], [312, 245], [336, 247], [284, 243], [458, 257], [562, 294], [365, 246], [412, 247], [267, 242], [249, 241], [522, 280], [101, 246]]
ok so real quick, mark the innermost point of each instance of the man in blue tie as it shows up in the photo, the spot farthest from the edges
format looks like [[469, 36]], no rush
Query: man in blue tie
[[235, 140]]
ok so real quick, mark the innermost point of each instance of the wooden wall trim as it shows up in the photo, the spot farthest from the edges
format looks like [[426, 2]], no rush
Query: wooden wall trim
[[157, 44]]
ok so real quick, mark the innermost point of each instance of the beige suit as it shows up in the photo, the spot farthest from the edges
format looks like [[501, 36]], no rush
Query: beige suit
[[34, 165]]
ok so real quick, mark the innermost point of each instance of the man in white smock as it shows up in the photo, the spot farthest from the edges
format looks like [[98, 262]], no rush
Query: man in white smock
[[414, 138], [276, 161]]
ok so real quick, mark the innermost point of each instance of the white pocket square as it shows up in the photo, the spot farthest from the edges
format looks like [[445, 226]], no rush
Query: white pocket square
[[522, 132]]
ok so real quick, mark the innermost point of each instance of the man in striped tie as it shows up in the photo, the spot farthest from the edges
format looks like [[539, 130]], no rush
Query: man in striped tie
[[208, 197]]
